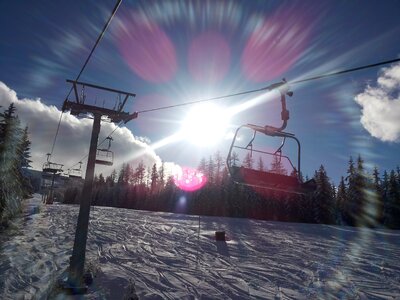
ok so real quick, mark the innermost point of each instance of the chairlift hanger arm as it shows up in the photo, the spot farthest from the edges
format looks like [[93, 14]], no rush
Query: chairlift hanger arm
[[131, 117], [283, 88]]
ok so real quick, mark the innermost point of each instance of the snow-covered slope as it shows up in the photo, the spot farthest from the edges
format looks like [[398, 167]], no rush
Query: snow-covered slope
[[166, 257]]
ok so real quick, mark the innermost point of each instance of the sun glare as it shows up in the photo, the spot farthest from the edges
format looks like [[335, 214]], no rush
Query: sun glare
[[205, 125]]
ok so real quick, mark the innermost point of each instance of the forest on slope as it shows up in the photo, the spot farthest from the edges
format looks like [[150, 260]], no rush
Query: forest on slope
[[360, 199]]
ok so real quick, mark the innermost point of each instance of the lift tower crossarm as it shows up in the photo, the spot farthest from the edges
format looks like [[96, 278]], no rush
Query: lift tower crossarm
[[79, 108], [75, 83]]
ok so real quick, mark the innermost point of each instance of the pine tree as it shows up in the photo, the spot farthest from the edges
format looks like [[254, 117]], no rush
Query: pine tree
[[26, 144], [24, 162], [398, 174], [203, 166], [393, 202], [210, 170], [139, 175], [341, 200], [365, 201], [12, 180], [277, 166], [148, 177], [376, 187], [248, 161], [154, 179], [324, 204], [219, 163], [101, 180], [350, 206], [161, 176], [260, 165], [234, 159], [122, 175], [110, 180]]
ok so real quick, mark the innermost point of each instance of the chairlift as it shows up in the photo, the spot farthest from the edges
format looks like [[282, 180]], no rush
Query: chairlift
[[75, 173], [51, 167], [50, 172], [282, 175], [105, 156]]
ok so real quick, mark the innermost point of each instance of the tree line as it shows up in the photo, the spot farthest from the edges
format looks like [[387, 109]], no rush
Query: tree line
[[14, 160], [360, 198]]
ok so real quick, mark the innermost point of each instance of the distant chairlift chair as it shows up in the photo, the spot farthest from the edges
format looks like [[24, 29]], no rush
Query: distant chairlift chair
[[51, 168], [76, 173], [105, 156], [50, 171], [269, 180]]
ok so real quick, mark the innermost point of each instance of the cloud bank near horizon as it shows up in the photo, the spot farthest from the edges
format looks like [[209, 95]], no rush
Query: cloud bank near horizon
[[74, 135], [381, 106]]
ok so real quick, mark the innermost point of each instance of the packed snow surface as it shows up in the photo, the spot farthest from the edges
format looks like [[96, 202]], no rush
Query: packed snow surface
[[165, 256]]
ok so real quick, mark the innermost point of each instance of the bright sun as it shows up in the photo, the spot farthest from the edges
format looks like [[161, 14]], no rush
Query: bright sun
[[205, 125]]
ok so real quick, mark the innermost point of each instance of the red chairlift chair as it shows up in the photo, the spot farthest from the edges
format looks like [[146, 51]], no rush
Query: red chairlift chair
[[269, 179]]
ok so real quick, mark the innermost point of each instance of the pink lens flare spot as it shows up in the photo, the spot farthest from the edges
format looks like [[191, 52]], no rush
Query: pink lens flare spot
[[274, 46], [188, 179], [147, 49], [209, 57]]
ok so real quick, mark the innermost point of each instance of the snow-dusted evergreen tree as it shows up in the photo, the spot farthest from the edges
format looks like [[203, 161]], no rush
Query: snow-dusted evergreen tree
[[24, 164], [26, 147], [14, 156]]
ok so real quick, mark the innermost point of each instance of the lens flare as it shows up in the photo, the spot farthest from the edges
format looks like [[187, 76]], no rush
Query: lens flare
[[209, 57], [147, 49], [188, 179], [274, 46]]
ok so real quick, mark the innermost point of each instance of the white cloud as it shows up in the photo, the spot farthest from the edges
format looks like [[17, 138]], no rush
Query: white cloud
[[74, 135], [381, 106]]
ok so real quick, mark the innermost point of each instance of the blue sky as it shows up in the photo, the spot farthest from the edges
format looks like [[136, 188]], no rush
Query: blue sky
[[169, 52]]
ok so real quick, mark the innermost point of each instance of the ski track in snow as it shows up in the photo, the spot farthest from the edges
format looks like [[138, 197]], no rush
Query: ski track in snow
[[167, 259]]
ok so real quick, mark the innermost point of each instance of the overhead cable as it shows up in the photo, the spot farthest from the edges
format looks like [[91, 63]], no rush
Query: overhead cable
[[268, 87], [85, 64], [258, 90]]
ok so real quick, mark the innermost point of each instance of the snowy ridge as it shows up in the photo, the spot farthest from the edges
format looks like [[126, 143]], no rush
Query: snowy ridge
[[166, 257]]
